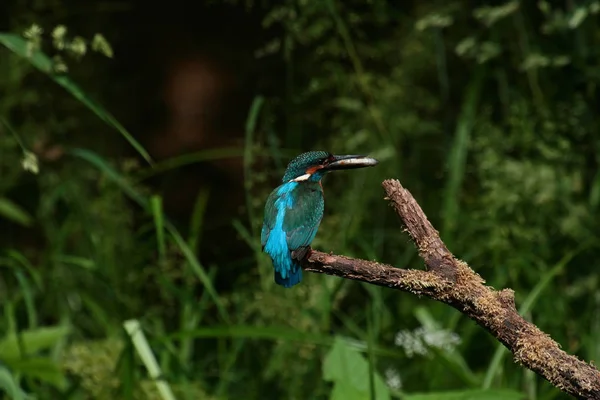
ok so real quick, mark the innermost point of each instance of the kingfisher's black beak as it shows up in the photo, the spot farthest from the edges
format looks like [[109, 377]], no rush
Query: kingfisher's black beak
[[350, 162]]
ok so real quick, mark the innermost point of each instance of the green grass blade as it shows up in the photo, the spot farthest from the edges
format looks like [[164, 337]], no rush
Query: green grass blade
[[530, 384], [229, 363], [191, 317], [274, 333], [197, 218], [80, 262], [246, 236], [343, 31], [130, 191], [95, 310], [187, 159], [198, 270], [159, 225], [112, 174], [525, 308], [251, 122], [370, 344], [41, 61], [594, 196], [253, 332], [28, 298], [18, 261], [10, 386], [458, 154], [14, 133], [253, 244], [14, 212], [145, 352]]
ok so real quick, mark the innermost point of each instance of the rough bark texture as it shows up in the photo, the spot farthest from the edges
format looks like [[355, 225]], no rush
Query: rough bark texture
[[453, 282]]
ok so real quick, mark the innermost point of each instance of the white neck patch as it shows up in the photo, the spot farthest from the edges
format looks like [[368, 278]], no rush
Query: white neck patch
[[302, 178]]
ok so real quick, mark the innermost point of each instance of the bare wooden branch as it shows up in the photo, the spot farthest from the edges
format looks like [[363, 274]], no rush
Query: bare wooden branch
[[453, 282]]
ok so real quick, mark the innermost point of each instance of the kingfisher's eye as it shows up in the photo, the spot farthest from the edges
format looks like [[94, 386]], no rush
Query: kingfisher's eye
[[329, 159]]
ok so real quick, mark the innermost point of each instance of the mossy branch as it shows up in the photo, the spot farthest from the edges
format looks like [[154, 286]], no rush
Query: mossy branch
[[453, 282]]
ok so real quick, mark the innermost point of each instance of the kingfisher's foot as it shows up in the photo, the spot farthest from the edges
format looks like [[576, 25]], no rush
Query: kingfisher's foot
[[301, 253]]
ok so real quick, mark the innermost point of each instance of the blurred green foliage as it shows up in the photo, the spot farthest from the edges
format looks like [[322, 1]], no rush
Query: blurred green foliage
[[488, 114]]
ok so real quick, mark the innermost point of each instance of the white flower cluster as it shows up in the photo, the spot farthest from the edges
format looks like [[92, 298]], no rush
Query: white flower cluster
[[30, 162], [76, 47], [419, 341], [393, 378]]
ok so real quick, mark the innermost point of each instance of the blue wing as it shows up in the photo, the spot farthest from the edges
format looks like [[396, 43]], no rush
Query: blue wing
[[269, 218], [302, 235]]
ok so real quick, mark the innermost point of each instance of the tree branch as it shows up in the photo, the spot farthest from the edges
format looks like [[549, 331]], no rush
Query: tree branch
[[453, 282]]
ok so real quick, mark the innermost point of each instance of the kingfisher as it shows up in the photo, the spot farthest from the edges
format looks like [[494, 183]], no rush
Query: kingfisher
[[294, 210]]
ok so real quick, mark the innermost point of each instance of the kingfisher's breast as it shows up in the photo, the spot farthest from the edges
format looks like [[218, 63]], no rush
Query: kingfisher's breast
[[309, 205]]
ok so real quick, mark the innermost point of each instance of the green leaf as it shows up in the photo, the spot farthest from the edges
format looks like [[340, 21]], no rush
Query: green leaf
[[42, 368], [138, 338], [9, 385], [475, 394], [349, 371], [14, 212], [41, 61], [30, 341], [345, 391]]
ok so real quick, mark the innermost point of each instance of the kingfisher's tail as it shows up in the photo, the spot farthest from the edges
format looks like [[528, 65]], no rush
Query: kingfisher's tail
[[294, 276]]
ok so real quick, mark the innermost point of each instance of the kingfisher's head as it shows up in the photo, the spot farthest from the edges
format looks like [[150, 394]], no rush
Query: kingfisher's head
[[313, 165]]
